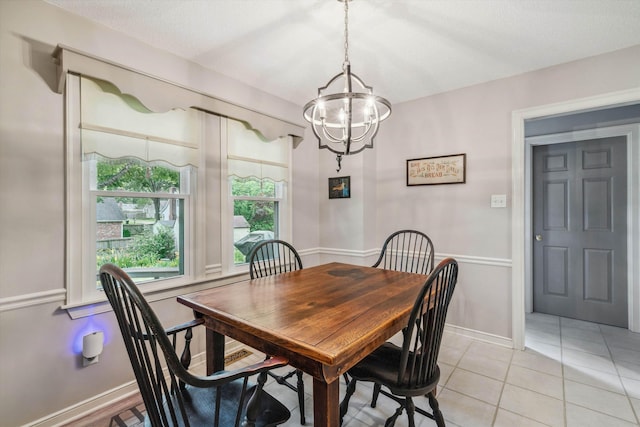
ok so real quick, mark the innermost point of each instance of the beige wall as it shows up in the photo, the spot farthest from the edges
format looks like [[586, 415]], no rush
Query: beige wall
[[477, 121], [40, 370]]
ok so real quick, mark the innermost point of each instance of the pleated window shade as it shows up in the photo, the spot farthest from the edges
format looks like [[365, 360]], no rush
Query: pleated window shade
[[250, 156], [116, 125]]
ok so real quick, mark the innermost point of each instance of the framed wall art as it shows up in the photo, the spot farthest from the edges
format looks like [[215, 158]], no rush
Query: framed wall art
[[340, 187], [449, 169]]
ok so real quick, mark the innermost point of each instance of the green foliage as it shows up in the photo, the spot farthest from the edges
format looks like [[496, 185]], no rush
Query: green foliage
[[258, 213], [147, 249], [238, 257], [136, 175], [150, 245], [253, 187]]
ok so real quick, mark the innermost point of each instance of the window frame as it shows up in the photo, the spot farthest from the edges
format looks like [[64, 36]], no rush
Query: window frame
[[285, 209], [83, 297], [208, 218], [278, 202]]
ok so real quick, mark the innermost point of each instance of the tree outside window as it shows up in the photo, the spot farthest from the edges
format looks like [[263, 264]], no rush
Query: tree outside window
[[257, 201], [145, 198]]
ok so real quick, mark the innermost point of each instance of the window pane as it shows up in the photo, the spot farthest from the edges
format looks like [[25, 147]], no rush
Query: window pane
[[143, 236], [254, 221], [135, 175]]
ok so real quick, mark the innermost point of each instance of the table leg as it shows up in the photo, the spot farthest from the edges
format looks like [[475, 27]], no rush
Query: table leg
[[326, 403], [214, 351]]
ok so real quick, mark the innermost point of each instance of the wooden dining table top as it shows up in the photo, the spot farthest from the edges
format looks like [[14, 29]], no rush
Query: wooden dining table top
[[324, 319]]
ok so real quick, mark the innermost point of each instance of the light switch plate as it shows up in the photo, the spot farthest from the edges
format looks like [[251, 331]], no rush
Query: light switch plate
[[498, 200]]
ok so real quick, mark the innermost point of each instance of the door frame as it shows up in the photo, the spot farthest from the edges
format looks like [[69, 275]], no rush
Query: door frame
[[521, 254]]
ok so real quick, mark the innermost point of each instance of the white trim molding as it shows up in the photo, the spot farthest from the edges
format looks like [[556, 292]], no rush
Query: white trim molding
[[103, 400], [469, 259], [521, 213], [478, 335], [213, 269], [28, 300]]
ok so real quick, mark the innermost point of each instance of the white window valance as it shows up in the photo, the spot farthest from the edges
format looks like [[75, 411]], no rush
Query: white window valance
[[159, 95], [249, 156]]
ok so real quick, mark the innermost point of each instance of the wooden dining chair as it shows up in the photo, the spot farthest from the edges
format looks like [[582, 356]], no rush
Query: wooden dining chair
[[410, 251], [410, 370], [177, 397], [271, 257]]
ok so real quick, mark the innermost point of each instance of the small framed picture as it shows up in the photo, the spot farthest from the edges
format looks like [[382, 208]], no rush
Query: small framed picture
[[340, 187], [449, 169]]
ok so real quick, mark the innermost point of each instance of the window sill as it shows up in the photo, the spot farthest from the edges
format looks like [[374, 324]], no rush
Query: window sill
[[83, 309]]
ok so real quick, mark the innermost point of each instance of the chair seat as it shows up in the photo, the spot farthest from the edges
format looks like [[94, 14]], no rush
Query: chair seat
[[200, 406], [381, 366]]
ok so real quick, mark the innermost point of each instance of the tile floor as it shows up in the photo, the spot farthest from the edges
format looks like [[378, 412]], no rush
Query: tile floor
[[572, 373]]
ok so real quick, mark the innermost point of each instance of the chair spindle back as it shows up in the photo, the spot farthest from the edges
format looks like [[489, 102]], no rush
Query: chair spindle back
[[423, 334], [407, 250], [151, 351], [273, 257]]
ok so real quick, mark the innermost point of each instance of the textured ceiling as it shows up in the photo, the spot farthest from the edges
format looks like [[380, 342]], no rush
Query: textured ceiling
[[405, 49]]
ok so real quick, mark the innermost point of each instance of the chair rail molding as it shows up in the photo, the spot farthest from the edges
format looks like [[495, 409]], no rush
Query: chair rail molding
[[36, 298], [464, 259]]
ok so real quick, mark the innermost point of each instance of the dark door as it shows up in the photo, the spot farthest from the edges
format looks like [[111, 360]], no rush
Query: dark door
[[580, 230]]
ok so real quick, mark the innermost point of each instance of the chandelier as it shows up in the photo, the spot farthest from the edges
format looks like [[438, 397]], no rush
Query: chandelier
[[347, 120]]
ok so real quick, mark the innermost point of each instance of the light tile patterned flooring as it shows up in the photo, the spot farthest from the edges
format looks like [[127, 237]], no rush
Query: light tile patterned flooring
[[572, 373]]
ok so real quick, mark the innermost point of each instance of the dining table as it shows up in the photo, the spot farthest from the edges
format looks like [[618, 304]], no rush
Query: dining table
[[323, 319]]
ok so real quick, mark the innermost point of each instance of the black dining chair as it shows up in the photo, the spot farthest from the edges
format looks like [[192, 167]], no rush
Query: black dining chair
[[271, 257], [410, 370], [177, 397], [410, 251]]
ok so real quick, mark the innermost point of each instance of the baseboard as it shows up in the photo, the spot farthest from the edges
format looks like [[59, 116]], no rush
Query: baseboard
[[103, 400], [479, 335], [86, 407], [126, 390]]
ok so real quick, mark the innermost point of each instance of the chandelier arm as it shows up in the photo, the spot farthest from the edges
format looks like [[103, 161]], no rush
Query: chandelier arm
[[363, 134], [327, 134]]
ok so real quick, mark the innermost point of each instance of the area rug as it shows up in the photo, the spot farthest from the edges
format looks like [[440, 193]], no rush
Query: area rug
[[132, 417]]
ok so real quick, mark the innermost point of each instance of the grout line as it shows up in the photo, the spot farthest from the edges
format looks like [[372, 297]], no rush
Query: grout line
[[564, 380], [504, 383], [624, 387]]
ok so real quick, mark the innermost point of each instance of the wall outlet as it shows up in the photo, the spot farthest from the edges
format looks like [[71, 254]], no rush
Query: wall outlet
[[498, 200]]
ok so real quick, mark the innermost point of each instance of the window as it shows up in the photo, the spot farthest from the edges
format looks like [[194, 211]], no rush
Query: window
[[154, 174], [139, 211], [132, 181], [256, 206], [258, 187]]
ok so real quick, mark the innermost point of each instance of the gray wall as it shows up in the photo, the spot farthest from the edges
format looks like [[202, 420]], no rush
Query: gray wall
[[37, 338], [614, 116]]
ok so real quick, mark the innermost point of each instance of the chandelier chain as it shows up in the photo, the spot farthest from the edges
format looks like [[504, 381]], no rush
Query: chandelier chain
[[346, 33]]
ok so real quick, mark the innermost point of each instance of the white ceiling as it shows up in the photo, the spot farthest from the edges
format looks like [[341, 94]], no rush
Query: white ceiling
[[405, 49]]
